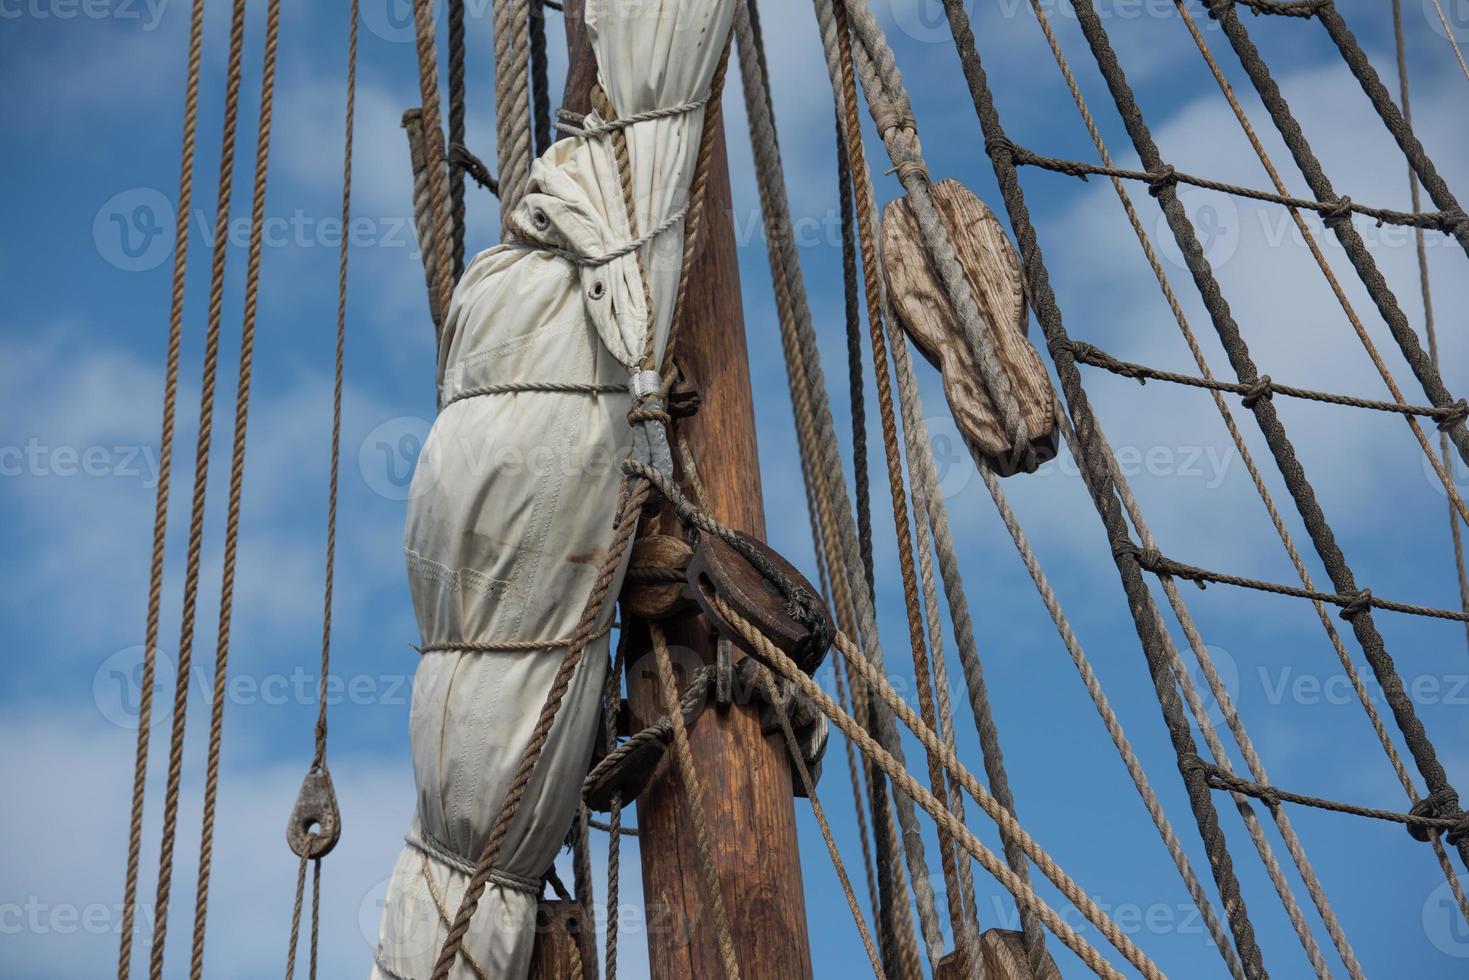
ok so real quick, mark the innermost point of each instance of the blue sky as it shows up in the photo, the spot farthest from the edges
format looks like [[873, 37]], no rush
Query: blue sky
[[90, 158]]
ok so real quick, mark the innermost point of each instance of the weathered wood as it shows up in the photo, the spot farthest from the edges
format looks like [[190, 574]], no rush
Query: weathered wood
[[993, 270], [565, 943], [745, 774]]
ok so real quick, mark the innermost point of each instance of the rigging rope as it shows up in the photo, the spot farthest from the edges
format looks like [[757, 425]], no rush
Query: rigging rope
[[1423, 283], [237, 481], [1281, 448], [512, 104], [1043, 303], [694, 800], [161, 495], [540, 83], [456, 136], [1455, 498], [815, 431], [872, 283], [195, 546], [436, 245]]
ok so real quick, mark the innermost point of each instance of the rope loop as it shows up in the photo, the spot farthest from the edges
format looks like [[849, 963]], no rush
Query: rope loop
[[1356, 605], [1453, 415], [1449, 222], [1261, 387], [1162, 179]]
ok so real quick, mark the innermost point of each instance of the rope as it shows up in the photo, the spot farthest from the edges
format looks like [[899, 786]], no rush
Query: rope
[[237, 483], [1262, 387], [1455, 501], [611, 706], [512, 104], [201, 482], [456, 134], [1352, 604], [440, 906], [855, 384], [1424, 287], [518, 387], [1274, 796], [165, 471], [694, 800], [1023, 893], [318, 762], [1321, 188], [514, 646], [540, 83], [872, 283], [1281, 448], [809, 786], [1043, 303], [1444, 221], [1448, 33], [893, 117], [816, 438], [437, 252]]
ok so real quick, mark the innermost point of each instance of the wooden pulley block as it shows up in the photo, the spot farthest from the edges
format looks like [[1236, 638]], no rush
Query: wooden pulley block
[[627, 769], [316, 822], [993, 270], [656, 586], [718, 568]]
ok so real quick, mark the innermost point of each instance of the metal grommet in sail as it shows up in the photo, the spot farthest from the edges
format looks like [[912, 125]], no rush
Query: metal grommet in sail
[[597, 290], [540, 219]]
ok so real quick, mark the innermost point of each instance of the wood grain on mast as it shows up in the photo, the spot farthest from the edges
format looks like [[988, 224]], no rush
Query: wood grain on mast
[[746, 775]]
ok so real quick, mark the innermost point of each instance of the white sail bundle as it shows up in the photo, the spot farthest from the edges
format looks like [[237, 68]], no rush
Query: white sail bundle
[[512, 507]]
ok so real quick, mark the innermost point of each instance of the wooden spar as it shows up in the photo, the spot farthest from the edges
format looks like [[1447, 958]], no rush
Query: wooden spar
[[745, 775]]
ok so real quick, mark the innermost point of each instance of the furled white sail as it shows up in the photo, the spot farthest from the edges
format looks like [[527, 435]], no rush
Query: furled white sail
[[512, 505]]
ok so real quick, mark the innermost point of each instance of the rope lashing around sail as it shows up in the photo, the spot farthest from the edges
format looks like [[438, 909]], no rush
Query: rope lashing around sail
[[1425, 820], [1336, 210], [511, 646], [1446, 416], [1353, 604]]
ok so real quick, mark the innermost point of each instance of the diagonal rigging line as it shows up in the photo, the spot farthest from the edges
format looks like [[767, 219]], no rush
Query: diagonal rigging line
[[1422, 749], [1101, 488], [1448, 32], [1424, 287], [1456, 500], [1266, 497], [1321, 187], [165, 471]]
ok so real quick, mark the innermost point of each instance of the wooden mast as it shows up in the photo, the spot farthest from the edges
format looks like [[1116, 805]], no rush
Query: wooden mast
[[745, 775]]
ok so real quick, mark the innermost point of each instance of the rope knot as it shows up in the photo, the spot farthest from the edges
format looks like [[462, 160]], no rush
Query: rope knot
[[996, 145], [1435, 806], [1189, 764], [1453, 415], [1339, 210], [1218, 8], [1356, 605], [910, 169], [1450, 221], [1261, 387], [1162, 179]]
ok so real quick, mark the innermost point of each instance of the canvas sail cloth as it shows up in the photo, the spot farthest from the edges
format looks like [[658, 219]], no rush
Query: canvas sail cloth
[[511, 508]]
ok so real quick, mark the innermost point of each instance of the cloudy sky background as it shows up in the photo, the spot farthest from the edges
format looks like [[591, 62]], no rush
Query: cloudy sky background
[[91, 160]]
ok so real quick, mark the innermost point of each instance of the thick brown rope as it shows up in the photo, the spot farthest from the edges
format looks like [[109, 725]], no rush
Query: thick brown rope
[[165, 471], [872, 283], [201, 482], [512, 103], [237, 482], [694, 800], [437, 243]]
